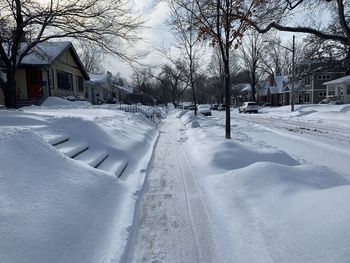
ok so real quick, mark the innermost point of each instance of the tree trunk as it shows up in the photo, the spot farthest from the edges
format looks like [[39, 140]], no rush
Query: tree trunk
[[253, 84], [10, 90], [227, 100], [192, 85]]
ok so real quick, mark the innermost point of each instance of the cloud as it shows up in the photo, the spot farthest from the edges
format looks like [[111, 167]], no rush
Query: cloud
[[154, 34]]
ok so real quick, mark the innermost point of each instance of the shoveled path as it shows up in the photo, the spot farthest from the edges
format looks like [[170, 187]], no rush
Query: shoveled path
[[172, 222]]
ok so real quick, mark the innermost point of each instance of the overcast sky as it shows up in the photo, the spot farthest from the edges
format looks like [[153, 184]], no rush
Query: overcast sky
[[156, 33]]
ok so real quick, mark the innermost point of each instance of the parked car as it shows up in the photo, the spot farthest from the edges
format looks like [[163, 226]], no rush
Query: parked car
[[249, 106], [222, 107], [214, 107], [204, 109], [191, 107]]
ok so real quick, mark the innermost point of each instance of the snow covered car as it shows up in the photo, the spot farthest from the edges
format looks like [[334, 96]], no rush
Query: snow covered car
[[249, 106], [204, 109]]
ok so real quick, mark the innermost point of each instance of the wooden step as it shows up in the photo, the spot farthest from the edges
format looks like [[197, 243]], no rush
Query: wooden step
[[58, 140], [93, 158], [72, 149], [116, 167]]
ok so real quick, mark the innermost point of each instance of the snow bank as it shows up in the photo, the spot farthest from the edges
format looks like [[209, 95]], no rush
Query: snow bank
[[278, 213], [56, 209], [50, 204], [266, 206], [316, 111], [56, 102], [206, 143]]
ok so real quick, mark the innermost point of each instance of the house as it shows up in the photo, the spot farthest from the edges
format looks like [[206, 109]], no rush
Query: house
[[272, 91], [338, 89], [50, 69], [241, 92], [103, 88], [98, 88], [312, 76]]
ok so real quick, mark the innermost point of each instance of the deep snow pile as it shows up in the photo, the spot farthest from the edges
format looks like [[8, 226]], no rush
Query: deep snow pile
[[312, 111], [266, 206], [56, 209]]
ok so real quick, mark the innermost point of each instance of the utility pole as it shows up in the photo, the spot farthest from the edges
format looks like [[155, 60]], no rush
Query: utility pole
[[293, 76]]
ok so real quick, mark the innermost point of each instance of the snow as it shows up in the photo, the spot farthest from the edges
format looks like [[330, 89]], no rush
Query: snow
[[278, 191], [342, 80], [57, 209], [45, 53]]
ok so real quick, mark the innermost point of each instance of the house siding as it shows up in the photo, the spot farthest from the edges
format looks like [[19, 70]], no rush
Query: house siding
[[67, 64], [316, 87]]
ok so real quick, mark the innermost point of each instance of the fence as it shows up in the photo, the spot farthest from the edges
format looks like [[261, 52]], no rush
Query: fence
[[150, 112]]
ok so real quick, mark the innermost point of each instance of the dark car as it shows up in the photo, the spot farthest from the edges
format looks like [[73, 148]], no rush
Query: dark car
[[191, 107], [222, 107], [214, 107]]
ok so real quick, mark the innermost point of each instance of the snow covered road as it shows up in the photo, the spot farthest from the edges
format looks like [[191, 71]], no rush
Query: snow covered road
[[309, 141], [172, 223]]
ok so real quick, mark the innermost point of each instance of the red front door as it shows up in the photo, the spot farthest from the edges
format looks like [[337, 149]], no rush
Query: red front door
[[34, 81]]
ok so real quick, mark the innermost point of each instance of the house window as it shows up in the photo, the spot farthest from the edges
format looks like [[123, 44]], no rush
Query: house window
[[307, 97], [324, 77], [64, 80], [80, 84], [322, 94], [307, 80], [331, 92]]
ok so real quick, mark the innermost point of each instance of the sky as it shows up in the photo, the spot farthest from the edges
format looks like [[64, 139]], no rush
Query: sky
[[156, 34]]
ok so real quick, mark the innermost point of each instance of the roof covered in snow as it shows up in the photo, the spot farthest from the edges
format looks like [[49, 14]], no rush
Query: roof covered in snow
[[46, 53], [277, 87], [342, 80], [98, 78]]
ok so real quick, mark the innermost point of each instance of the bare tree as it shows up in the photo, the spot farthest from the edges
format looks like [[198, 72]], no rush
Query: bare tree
[[223, 23], [174, 78], [216, 72], [107, 23], [338, 30], [183, 24], [251, 56], [91, 56]]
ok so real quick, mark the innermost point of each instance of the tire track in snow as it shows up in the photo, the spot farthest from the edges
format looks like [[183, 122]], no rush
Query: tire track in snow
[[201, 220]]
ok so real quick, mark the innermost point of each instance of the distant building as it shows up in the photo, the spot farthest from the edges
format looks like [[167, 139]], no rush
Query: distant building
[[272, 91], [102, 88], [310, 78], [338, 89]]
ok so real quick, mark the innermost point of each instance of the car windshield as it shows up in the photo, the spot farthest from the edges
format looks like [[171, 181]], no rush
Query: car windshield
[[251, 103]]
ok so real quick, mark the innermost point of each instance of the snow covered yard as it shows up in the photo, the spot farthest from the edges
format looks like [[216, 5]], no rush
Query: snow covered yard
[[57, 209], [278, 191]]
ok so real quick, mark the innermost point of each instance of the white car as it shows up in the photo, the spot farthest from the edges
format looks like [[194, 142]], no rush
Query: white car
[[204, 109], [249, 106]]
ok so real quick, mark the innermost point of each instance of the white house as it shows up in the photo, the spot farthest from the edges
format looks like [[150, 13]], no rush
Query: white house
[[102, 88], [339, 89]]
